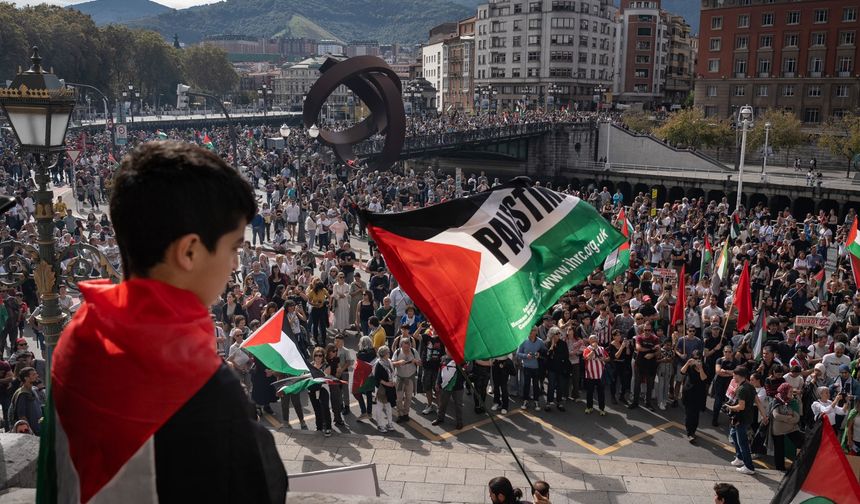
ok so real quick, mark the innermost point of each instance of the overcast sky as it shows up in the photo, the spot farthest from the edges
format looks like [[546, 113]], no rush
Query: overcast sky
[[176, 4]]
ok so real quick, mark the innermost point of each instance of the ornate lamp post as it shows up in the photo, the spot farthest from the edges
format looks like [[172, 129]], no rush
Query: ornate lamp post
[[39, 106], [745, 118]]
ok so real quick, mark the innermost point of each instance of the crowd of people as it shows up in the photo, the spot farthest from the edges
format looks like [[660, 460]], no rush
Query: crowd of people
[[606, 339]]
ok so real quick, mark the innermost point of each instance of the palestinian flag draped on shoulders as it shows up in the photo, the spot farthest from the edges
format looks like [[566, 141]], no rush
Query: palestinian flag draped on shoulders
[[821, 474], [852, 244], [275, 349], [619, 260], [485, 268]]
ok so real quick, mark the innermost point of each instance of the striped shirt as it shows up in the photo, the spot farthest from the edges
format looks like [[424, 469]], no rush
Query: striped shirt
[[594, 367]]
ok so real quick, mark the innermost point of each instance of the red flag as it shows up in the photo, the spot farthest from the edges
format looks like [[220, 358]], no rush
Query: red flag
[[743, 298], [681, 303], [363, 371], [855, 269]]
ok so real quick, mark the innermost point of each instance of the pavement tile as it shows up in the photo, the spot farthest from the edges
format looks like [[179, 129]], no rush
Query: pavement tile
[[316, 453], [381, 443], [546, 465], [519, 481], [566, 481], [498, 462], [381, 471], [288, 452], [658, 471], [754, 489], [732, 476], [671, 499], [628, 498], [467, 461], [280, 437], [584, 497], [696, 473], [464, 493], [405, 473], [349, 455], [384, 456], [604, 483], [480, 476], [419, 491], [447, 475], [430, 459], [579, 466], [393, 489], [688, 487], [617, 468], [638, 484]]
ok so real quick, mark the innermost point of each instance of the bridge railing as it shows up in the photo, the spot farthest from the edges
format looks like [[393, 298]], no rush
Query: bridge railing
[[415, 141]]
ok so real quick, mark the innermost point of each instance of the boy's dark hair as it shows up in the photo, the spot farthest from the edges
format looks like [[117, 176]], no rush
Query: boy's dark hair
[[728, 493], [165, 190]]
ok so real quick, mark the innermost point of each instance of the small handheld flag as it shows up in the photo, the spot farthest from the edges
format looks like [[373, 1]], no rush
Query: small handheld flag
[[681, 303], [619, 260], [743, 299], [274, 348]]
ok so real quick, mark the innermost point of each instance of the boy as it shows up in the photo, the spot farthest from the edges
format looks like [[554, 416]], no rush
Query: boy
[[146, 411]]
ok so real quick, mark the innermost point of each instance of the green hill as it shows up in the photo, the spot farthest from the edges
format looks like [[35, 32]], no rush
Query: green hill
[[406, 21], [118, 11]]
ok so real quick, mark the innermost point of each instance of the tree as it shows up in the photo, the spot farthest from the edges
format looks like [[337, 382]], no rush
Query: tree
[[637, 121], [841, 137], [207, 68], [785, 133], [156, 63], [690, 128]]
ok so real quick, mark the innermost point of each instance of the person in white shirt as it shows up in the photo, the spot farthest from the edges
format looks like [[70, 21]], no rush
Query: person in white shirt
[[832, 361], [824, 406]]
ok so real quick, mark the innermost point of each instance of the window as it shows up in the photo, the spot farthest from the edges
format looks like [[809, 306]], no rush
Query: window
[[819, 38], [842, 91], [533, 56], [516, 57], [811, 115], [644, 31], [741, 66], [791, 40], [535, 6], [641, 73], [742, 42], [740, 90], [717, 23], [839, 113], [813, 91], [561, 39], [789, 65], [533, 72], [642, 59], [765, 42], [515, 72], [744, 21], [534, 39], [712, 91], [534, 24], [643, 45], [562, 23], [558, 5], [518, 8], [560, 72], [847, 38], [849, 14], [820, 16], [711, 111], [714, 65], [816, 65], [761, 90], [793, 18], [788, 90], [518, 25], [640, 88], [764, 66], [516, 41], [846, 64], [715, 44], [564, 56], [767, 19]]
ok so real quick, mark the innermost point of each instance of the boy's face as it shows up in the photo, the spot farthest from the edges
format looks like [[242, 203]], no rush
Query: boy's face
[[214, 268]]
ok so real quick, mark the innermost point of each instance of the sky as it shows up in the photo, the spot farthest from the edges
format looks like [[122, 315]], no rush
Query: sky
[[176, 4]]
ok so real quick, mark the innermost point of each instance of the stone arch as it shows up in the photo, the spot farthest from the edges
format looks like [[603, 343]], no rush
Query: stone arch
[[827, 205], [608, 184], [848, 206], [803, 206], [574, 183], [696, 193], [733, 196], [641, 188], [715, 195], [661, 193], [589, 183], [778, 203], [757, 198], [627, 191], [675, 193]]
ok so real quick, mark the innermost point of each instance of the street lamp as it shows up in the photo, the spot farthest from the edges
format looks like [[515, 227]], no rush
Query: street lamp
[[767, 126], [131, 94], [264, 93], [39, 106], [745, 118]]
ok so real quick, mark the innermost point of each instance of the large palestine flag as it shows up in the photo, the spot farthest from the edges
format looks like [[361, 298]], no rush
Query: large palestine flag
[[486, 267]]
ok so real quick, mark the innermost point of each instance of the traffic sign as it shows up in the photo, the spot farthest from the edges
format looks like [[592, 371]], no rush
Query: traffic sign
[[73, 154], [121, 134]]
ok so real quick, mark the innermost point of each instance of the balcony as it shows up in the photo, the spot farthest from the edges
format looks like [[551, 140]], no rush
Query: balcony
[[844, 74], [815, 74], [788, 75]]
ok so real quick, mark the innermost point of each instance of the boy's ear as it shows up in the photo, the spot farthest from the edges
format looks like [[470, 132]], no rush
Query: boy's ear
[[183, 251]]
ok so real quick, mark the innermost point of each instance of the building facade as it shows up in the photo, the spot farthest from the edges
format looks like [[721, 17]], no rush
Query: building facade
[[525, 48], [680, 62], [295, 81], [786, 54], [362, 48], [458, 69]]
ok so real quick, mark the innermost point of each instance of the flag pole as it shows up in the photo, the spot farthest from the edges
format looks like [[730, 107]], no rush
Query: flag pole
[[492, 418]]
